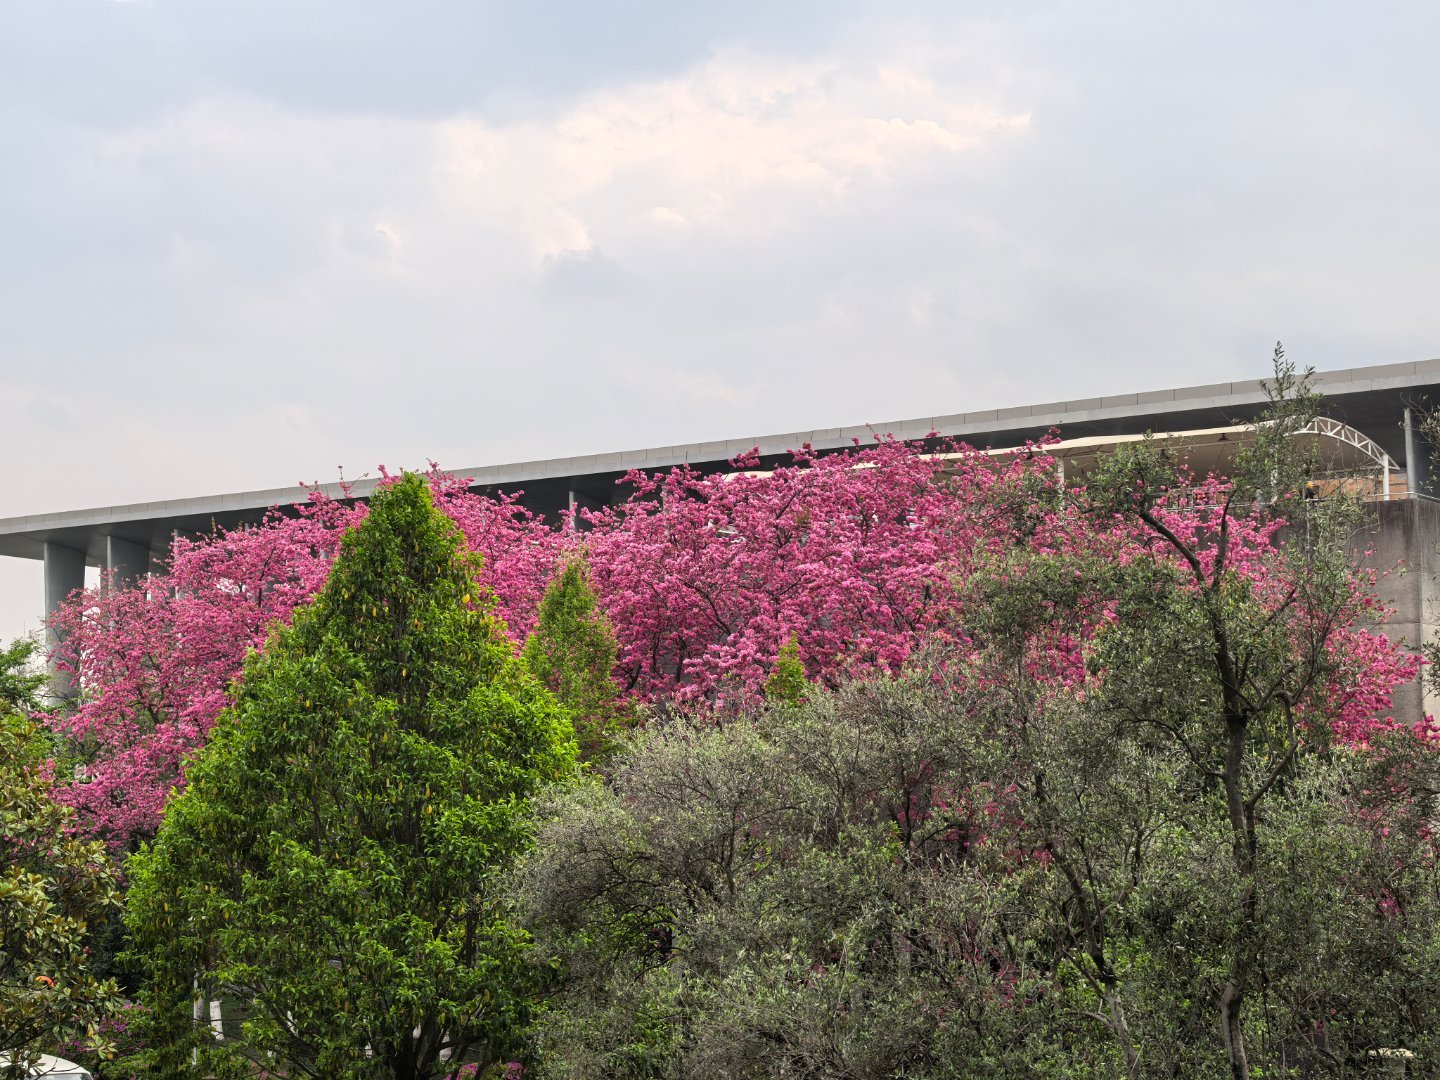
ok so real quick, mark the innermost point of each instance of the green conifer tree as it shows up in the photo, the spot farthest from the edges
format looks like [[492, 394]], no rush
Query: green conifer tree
[[572, 652], [325, 870]]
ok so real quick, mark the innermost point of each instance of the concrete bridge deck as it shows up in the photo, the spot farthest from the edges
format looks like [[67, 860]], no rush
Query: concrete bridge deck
[[1374, 400], [1378, 401]]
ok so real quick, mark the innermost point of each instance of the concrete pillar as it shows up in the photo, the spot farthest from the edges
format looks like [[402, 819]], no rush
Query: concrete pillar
[[125, 560], [159, 555], [578, 501], [1417, 456], [64, 573], [1406, 534]]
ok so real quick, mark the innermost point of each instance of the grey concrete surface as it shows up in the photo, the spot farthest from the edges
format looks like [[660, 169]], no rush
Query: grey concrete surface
[[1403, 544], [64, 573], [126, 560]]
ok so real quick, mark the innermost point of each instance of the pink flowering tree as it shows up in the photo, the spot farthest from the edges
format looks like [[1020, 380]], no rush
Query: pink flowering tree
[[853, 556], [856, 557], [156, 660], [1311, 604], [705, 578]]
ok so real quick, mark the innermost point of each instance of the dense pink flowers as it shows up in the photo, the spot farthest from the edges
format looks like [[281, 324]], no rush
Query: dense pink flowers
[[157, 659], [1366, 665], [858, 557], [706, 577]]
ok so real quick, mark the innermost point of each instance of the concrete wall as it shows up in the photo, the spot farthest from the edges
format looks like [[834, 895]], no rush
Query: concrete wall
[[1405, 537]]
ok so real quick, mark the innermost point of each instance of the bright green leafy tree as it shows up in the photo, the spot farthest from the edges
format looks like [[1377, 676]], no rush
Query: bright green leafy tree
[[51, 886], [572, 652], [786, 683], [326, 870]]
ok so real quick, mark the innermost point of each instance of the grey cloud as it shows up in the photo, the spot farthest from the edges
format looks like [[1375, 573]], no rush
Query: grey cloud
[[588, 274], [102, 62]]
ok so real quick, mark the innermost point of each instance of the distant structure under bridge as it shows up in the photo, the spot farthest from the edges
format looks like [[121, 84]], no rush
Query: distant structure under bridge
[[1370, 433]]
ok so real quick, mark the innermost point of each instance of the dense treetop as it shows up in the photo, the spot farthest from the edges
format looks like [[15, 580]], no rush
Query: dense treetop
[[327, 861], [856, 557], [53, 885]]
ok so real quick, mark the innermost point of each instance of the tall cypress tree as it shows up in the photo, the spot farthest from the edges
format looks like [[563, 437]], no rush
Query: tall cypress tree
[[325, 868], [572, 652]]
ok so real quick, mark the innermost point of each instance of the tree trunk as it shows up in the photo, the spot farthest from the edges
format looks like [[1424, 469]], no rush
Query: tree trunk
[[1121, 1027], [1231, 1000], [1242, 832]]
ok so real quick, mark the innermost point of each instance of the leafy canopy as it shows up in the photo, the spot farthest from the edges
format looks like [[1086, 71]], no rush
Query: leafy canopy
[[328, 862], [572, 652], [52, 885], [786, 683]]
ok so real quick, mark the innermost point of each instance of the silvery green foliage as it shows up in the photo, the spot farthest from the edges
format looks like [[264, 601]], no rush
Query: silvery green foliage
[[909, 877], [805, 893]]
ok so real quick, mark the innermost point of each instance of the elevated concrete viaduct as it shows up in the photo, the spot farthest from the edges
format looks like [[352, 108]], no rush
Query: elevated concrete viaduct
[[1381, 402]]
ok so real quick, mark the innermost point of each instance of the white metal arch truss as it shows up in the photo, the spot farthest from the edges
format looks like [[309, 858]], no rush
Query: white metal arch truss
[[1343, 433]]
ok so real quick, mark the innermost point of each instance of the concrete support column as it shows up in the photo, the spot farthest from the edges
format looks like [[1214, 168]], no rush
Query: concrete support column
[[159, 555], [580, 501], [126, 561], [1406, 533], [1417, 456], [64, 573]]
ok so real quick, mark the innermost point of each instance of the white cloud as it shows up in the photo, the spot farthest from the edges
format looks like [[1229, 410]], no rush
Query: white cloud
[[921, 306], [394, 240], [709, 147], [703, 144], [239, 251], [668, 215]]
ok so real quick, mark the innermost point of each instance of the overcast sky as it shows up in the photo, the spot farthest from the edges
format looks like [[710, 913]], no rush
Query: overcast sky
[[244, 243]]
